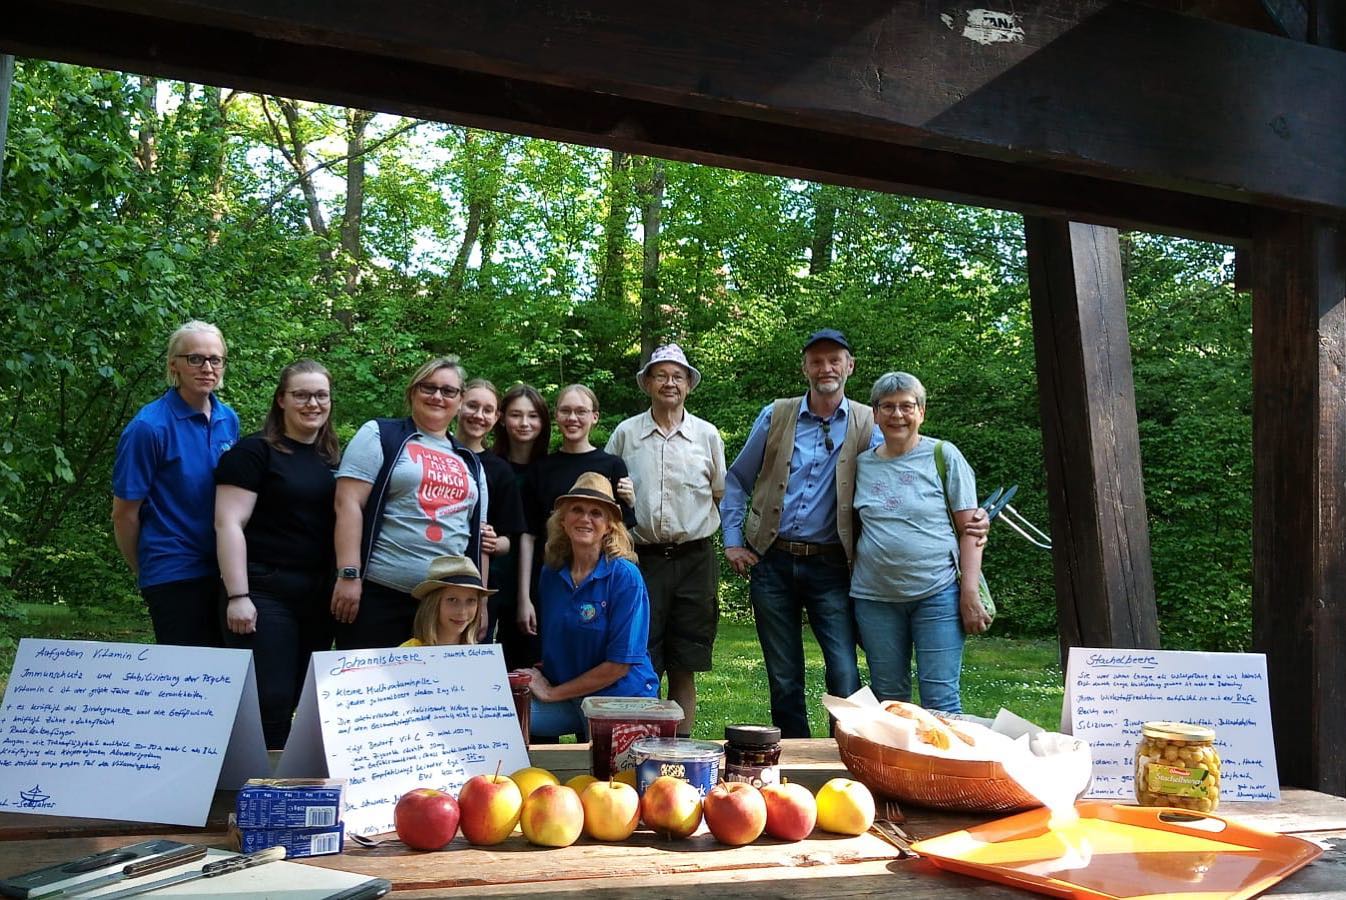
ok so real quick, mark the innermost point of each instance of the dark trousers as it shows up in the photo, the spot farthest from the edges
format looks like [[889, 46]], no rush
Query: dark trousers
[[185, 613], [383, 620], [781, 588], [294, 619], [521, 650]]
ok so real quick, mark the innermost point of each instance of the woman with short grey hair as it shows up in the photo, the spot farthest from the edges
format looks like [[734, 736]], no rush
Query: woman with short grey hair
[[905, 586]]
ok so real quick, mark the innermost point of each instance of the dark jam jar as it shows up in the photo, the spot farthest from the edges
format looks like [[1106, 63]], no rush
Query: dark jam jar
[[752, 754]]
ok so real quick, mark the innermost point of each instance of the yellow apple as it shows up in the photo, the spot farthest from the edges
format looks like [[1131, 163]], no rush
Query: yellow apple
[[845, 806], [489, 806], [552, 816], [611, 810], [532, 778], [626, 776], [580, 782]]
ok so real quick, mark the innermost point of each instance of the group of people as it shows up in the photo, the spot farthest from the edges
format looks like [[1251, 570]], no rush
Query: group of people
[[593, 568]]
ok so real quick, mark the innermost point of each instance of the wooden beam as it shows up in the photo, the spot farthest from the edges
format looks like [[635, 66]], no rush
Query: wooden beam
[[1101, 541], [1086, 90], [1299, 492]]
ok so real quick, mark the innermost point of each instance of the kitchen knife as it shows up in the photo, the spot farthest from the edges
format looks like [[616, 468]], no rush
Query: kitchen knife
[[180, 856], [209, 870]]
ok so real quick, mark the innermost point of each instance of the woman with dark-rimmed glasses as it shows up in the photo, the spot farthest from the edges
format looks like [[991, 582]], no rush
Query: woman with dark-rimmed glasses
[[406, 492], [273, 525], [163, 485]]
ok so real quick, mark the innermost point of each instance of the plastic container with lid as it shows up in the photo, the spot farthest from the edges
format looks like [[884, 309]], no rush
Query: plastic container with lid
[[1177, 765], [615, 723], [695, 762], [752, 754]]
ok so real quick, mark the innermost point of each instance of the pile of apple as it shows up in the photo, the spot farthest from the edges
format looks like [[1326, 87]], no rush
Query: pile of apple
[[551, 814]]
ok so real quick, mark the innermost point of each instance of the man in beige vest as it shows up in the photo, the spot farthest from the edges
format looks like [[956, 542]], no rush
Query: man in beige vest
[[798, 465]]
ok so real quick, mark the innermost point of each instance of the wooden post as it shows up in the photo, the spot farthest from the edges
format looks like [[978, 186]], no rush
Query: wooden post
[[1299, 491], [1104, 583]]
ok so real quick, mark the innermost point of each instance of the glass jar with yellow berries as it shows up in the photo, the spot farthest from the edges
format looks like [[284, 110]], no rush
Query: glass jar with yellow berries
[[1177, 765]]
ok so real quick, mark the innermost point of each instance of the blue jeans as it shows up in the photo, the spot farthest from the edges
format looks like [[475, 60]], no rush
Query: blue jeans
[[560, 717], [935, 628], [782, 586]]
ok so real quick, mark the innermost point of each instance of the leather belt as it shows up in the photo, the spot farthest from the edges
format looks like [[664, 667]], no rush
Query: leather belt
[[671, 551], [803, 548]]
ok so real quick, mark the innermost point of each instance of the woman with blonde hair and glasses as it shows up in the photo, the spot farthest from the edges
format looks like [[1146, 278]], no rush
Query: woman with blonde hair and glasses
[[273, 521], [406, 492], [163, 486], [596, 610]]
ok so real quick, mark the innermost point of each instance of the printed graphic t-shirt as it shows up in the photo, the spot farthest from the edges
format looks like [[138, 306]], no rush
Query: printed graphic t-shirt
[[431, 493]]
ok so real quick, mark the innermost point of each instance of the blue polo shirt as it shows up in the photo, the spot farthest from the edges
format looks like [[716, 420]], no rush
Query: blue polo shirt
[[605, 619], [166, 457]]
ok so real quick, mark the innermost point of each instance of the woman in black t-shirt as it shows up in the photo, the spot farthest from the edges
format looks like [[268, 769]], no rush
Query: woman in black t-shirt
[[274, 518], [553, 475], [477, 415]]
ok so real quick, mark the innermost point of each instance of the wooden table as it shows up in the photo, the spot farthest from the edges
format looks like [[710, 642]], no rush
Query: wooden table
[[696, 869]]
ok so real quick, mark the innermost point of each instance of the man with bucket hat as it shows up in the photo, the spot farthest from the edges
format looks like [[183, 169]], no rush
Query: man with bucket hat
[[676, 461]]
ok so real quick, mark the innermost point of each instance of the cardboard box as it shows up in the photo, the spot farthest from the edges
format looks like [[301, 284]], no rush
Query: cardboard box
[[296, 841], [291, 803]]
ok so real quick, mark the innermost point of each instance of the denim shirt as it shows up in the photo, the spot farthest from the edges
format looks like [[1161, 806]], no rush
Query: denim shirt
[[809, 507]]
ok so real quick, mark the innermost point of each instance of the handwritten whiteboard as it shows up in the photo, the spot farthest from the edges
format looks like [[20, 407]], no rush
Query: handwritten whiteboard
[[392, 720], [1111, 693], [127, 731]]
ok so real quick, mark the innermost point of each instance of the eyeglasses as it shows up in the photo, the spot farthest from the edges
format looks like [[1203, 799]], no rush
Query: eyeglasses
[[197, 360], [573, 412], [907, 409], [447, 391], [303, 398], [667, 378], [826, 426]]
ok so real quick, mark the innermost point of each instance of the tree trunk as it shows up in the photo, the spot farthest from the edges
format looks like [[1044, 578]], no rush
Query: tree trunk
[[149, 118], [296, 152], [213, 108], [824, 229], [611, 282], [472, 198], [6, 81], [357, 120], [651, 215]]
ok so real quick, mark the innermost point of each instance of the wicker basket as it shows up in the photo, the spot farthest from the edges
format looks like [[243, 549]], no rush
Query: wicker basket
[[937, 782]]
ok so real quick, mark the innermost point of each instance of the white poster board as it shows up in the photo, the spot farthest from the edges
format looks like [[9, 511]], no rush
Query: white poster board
[[393, 720], [127, 731], [1110, 693]]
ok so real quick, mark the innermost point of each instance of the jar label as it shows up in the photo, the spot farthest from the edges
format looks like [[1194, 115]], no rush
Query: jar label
[[624, 735], [1176, 781], [757, 776]]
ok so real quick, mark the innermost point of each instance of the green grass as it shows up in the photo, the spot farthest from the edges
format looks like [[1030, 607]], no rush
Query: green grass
[[1024, 676]]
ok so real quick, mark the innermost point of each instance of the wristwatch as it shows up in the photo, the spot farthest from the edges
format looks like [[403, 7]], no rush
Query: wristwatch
[[348, 572]]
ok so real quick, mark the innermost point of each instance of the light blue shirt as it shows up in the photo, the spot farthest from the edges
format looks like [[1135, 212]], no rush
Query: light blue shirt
[[809, 507]]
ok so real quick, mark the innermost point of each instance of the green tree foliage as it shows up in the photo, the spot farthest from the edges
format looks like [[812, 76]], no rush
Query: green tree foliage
[[525, 257]]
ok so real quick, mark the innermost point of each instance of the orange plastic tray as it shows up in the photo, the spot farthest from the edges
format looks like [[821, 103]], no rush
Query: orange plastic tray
[[1128, 852]]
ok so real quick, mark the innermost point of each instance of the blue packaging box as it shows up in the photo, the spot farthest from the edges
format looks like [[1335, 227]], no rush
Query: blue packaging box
[[296, 841], [291, 803]]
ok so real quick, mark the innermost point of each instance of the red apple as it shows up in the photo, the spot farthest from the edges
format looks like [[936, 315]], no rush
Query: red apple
[[791, 811], [490, 807], [671, 807], [552, 816], [426, 819], [735, 813]]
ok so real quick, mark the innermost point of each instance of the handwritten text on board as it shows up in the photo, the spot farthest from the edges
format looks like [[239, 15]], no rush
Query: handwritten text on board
[[392, 720], [122, 731], [1110, 694]]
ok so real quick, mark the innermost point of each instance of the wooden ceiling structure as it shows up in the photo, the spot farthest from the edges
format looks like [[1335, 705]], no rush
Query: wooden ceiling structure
[[1215, 119]]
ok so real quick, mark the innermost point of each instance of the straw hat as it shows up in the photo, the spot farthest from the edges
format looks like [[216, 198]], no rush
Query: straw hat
[[591, 486], [450, 570]]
